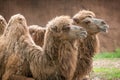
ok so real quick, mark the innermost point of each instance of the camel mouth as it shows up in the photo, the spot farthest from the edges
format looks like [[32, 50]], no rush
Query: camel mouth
[[83, 34], [104, 29]]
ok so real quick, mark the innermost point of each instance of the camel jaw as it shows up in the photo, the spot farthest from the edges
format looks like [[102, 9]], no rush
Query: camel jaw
[[104, 29]]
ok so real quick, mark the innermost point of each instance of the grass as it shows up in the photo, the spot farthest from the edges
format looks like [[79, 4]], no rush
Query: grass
[[104, 72], [108, 73], [115, 54]]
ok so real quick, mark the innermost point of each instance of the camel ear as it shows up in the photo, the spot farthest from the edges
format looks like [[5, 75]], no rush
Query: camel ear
[[76, 20]]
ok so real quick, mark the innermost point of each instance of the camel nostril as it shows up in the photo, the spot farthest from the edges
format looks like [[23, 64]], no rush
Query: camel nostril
[[103, 22], [105, 27]]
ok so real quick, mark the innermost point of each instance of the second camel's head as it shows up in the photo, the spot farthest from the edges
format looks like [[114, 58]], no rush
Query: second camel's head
[[87, 20]]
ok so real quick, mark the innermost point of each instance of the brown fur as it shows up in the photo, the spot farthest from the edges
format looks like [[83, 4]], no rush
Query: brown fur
[[37, 33], [56, 61], [88, 47], [12, 59], [3, 24]]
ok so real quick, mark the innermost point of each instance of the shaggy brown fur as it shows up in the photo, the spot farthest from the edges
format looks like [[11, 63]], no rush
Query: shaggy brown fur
[[3, 24], [37, 33], [88, 47], [12, 59], [56, 61]]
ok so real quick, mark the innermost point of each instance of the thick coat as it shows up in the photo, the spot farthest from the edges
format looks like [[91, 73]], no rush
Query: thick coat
[[37, 33], [22, 58], [88, 47]]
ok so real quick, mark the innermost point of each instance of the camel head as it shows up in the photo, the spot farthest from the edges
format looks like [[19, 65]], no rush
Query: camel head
[[62, 27], [3, 24], [87, 20], [17, 19], [16, 26]]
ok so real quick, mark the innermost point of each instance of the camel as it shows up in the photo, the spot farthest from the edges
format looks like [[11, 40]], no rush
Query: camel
[[90, 45], [23, 59]]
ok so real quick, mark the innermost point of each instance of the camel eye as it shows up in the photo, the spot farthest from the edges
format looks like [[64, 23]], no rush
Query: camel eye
[[89, 16], [20, 19], [66, 28], [54, 28]]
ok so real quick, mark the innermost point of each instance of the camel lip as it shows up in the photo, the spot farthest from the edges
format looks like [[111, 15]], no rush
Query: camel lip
[[104, 30], [83, 34]]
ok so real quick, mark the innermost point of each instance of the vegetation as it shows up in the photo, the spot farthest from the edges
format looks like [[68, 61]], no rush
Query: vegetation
[[107, 73], [115, 54], [107, 70]]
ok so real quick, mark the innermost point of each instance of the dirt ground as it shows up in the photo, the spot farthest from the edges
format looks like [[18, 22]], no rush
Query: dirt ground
[[106, 63]]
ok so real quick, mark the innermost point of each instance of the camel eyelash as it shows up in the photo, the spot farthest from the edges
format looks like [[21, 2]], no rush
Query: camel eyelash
[[66, 28]]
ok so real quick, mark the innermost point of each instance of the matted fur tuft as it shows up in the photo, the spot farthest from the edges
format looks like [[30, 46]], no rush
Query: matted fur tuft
[[59, 21], [83, 14], [3, 24], [37, 33]]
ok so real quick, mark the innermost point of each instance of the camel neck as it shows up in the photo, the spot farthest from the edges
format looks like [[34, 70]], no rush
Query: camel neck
[[90, 45], [54, 47]]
